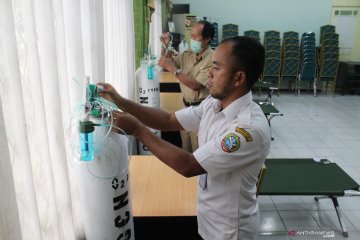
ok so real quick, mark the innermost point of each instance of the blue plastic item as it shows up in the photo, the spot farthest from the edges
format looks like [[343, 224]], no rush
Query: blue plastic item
[[86, 146], [86, 130], [150, 72]]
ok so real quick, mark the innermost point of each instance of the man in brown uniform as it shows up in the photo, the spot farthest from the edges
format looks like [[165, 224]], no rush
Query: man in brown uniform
[[191, 68]]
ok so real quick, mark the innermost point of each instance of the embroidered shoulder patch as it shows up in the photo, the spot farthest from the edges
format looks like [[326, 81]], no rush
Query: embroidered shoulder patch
[[245, 134], [230, 143]]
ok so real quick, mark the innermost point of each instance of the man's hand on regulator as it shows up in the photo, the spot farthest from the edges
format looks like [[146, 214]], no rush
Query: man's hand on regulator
[[108, 92], [129, 124], [166, 64]]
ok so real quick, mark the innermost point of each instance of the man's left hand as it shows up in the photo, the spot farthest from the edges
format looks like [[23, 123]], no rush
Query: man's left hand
[[126, 122]]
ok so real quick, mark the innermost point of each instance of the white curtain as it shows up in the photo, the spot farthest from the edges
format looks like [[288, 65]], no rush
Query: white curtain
[[120, 48], [156, 29], [46, 49]]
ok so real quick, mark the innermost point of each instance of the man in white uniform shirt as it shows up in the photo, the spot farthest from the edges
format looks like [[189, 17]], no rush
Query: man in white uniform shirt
[[234, 139]]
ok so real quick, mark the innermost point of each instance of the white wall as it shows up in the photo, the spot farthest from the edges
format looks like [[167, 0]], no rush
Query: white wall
[[263, 15]]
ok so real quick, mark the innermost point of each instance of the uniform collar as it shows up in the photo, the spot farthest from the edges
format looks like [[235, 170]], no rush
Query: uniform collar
[[206, 52], [203, 55], [215, 105], [235, 107]]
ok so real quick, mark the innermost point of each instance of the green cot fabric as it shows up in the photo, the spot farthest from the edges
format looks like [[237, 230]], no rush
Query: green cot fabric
[[265, 85], [268, 109], [305, 177]]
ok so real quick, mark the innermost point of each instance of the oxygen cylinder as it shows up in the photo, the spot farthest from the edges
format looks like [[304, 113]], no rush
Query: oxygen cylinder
[[103, 188], [101, 167], [183, 46], [148, 91]]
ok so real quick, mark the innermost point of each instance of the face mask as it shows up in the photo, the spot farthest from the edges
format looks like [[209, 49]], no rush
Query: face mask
[[195, 46]]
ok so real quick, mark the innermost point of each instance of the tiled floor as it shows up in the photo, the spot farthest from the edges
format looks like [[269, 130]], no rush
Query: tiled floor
[[312, 126], [322, 126]]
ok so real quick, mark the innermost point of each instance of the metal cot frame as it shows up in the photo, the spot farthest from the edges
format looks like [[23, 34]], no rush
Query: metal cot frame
[[321, 178]]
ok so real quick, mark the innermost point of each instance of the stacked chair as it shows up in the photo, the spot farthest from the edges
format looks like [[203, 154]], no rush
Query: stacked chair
[[308, 65], [328, 55], [271, 74], [290, 58], [253, 34], [214, 42], [326, 29], [230, 30]]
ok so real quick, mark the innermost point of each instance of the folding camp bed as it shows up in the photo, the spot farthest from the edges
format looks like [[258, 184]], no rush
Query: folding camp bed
[[269, 110], [270, 88], [309, 177]]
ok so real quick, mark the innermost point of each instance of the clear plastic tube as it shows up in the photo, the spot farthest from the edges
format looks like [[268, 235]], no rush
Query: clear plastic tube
[[93, 143], [80, 115], [106, 119], [167, 48], [129, 157]]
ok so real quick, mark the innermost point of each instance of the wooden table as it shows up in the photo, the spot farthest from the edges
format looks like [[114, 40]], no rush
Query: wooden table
[[170, 101], [157, 190]]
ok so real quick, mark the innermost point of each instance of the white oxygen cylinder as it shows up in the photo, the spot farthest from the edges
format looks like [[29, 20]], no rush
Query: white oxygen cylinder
[[104, 188], [183, 46], [148, 91]]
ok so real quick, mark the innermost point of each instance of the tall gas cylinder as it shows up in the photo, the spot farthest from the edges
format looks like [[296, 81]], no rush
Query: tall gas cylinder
[[102, 171], [183, 46], [104, 188], [148, 90]]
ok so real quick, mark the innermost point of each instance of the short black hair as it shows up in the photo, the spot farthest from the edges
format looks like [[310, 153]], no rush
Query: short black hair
[[208, 30], [249, 56]]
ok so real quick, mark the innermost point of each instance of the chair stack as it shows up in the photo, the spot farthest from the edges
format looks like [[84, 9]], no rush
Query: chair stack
[[326, 29], [307, 70], [253, 34], [328, 55], [215, 41], [290, 58], [230, 30], [272, 58]]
